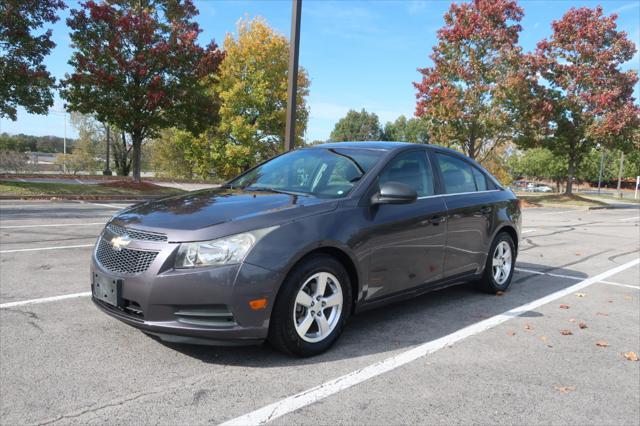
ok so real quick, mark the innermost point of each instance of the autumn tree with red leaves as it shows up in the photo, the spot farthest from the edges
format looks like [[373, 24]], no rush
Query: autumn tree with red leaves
[[137, 65], [462, 95], [573, 93], [24, 80]]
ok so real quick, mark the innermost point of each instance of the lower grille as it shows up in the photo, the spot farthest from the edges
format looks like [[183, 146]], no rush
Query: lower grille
[[124, 261]]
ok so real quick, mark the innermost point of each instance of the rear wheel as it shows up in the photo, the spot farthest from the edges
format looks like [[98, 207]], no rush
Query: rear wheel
[[312, 307], [498, 271]]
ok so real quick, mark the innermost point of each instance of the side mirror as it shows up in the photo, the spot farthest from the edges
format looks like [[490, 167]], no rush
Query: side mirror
[[394, 193]]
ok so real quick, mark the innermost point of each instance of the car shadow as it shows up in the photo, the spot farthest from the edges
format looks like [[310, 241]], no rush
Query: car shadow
[[403, 325]]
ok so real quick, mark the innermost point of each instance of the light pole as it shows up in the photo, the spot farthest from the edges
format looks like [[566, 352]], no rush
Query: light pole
[[107, 170], [292, 84], [600, 148]]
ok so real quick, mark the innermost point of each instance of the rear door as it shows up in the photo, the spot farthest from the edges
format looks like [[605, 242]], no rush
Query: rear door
[[407, 241], [470, 213]]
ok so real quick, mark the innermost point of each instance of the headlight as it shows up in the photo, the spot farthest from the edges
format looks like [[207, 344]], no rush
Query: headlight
[[223, 251]]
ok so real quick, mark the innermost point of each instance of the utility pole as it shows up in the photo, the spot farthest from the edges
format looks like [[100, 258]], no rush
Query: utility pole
[[107, 170], [64, 145], [292, 86], [599, 147], [620, 173]]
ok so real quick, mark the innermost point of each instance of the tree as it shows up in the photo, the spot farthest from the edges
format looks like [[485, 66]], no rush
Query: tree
[[24, 80], [179, 154], [412, 130], [137, 66], [252, 88], [357, 126], [538, 163], [575, 94], [463, 94]]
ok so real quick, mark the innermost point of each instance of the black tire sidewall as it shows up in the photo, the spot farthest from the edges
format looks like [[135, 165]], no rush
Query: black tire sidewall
[[282, 331]]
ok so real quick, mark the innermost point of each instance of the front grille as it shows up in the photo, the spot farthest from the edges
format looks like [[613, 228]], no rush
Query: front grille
[[124, 261], [135, 234]]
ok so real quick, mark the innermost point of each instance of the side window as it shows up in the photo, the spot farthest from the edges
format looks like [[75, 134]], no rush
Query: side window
[[457, 174], [412, 169], [481, 180]]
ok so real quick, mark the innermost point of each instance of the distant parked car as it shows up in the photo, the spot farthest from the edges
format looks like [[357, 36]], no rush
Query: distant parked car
[[289, 250], [542, 188]]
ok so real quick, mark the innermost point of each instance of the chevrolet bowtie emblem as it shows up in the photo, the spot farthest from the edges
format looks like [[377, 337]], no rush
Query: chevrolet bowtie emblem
[[119, 242]]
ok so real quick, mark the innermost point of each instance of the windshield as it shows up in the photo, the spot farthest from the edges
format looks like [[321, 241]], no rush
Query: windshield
[[322, 173]]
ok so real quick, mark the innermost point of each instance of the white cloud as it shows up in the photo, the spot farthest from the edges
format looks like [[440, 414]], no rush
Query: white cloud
[[625, 8]]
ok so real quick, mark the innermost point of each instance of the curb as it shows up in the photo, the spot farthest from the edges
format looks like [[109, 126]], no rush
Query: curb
[[79, 197]]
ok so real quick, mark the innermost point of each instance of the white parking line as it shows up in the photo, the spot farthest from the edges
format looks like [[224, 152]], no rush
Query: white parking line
[[46, 248], [43, 300], [531, 271], [111, 206], [565, 211], [51, 224], [629, 218], [310, 396], [526, 231], [635, 287]]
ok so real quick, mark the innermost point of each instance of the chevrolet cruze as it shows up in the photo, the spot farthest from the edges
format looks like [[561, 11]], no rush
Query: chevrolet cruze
[[289, 250]]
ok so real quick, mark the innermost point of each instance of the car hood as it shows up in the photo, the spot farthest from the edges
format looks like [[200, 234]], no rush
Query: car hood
[[214, 213]]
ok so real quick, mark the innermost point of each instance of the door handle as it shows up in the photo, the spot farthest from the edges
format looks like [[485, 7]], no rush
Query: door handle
[[485, 210], [436, 220]]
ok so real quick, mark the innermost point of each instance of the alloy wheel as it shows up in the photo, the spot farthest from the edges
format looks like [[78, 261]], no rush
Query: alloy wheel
[[318, 307], [501, 262]]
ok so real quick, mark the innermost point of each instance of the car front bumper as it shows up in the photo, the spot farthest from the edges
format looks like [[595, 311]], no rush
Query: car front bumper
[[203, 306]]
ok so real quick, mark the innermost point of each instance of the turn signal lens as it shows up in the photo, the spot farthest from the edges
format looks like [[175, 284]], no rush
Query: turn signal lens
[[258, 304]]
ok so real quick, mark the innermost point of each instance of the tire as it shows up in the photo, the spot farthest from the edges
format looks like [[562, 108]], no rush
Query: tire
[[293, 311], [491, 281]]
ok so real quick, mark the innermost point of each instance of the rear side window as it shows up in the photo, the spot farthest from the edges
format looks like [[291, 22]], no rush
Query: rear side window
[[412, 169], [481, 179], [457, 174]]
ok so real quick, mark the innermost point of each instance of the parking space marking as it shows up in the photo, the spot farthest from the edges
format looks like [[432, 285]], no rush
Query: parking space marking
[[51, 224], [111, 206], [565, 211], [635, 287], [526, 231], [43, 300], [629, 218], [313, 395], [46, 248]]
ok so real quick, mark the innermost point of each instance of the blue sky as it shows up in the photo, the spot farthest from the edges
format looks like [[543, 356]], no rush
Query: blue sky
[[359, 54]]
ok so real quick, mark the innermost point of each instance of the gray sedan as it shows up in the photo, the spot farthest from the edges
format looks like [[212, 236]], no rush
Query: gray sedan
[[289, 250]]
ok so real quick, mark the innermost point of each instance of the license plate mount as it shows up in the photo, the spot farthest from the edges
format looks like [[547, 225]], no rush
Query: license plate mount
[[107, 289]]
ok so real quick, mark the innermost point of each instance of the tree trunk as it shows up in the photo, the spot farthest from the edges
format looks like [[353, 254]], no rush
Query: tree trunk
[[136, 141], [570, 173]]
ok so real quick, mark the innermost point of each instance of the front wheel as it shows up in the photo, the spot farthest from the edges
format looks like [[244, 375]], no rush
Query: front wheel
[[501, 261], [312, 308]]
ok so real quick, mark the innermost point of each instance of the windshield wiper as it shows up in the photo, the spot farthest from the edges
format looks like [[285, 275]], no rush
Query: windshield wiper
[[278, 191]]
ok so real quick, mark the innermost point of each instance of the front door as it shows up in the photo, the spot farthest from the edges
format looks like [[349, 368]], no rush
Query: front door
[[407, 240]]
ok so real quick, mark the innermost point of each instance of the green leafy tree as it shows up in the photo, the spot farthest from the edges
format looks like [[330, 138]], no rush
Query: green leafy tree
[[138, 67], [24, 80], [538, 163], [357, 126], [573, 92], [252, 89], [179, 154], [412, 130], [464, 94]]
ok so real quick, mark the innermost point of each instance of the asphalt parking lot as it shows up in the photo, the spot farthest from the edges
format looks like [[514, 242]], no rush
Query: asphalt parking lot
[[450, 357]]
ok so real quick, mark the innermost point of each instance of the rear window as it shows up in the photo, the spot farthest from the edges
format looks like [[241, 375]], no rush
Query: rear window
[[457, 174]]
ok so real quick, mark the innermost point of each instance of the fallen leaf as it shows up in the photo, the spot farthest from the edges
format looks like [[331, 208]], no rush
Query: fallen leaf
[[631, 356], [628, 298], [544, 338], [602, 314], [528, 327], [564, 389], [578, 254], [563, 306], [499, 293], [602, 343], [582, 325], [511, 333], [579, 294], [572, 320], [610, 301], [566, 332]]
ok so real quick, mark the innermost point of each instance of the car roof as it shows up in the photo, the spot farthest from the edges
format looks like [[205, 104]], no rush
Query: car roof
[[379, 145]]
